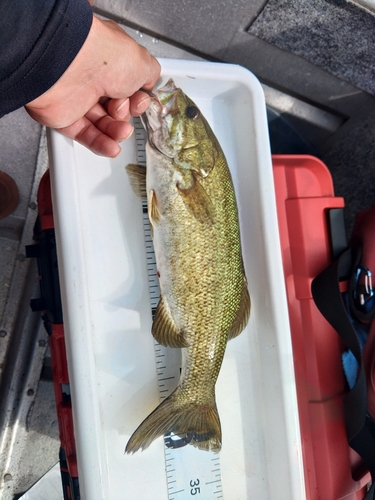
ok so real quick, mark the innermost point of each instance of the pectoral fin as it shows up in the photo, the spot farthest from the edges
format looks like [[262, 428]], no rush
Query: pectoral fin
[[164, 329], [198, 202], [243, 313], [153, 210], [137, 177]]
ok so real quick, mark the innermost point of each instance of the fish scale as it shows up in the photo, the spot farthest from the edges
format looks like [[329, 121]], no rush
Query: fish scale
[[190, 473]]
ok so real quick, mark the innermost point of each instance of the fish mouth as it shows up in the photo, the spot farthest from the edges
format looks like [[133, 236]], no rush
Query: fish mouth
[[144, 118], [162, 94], [149, 130], [167, 97], [151, 120], [163, 103]]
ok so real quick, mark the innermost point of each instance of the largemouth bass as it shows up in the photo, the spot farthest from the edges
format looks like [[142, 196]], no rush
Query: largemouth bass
[[204, 298]]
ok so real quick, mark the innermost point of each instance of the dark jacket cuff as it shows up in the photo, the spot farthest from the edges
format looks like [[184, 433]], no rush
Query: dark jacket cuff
[[62, 36]]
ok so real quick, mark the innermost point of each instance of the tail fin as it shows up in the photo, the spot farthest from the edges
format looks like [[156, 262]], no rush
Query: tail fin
[[200, 423]]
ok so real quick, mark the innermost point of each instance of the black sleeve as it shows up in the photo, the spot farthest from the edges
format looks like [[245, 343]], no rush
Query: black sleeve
[[38, 41]]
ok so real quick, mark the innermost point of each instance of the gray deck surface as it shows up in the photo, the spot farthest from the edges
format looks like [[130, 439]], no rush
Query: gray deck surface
[[316, 61]]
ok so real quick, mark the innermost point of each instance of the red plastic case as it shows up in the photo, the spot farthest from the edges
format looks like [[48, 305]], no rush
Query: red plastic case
[[304, 195], [47, 263]]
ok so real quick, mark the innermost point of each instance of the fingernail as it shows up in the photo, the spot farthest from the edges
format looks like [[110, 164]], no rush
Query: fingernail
[[123, 110], [129, 134], [141, 105], [115, 155]]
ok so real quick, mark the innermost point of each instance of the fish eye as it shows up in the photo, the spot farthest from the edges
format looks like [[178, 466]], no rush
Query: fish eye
[[192, 112]]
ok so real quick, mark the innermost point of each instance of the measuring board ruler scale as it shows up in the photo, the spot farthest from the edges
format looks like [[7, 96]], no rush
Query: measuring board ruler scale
[[190, 472]]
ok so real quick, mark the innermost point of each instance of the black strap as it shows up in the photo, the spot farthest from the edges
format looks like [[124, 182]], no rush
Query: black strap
[[360, 427]]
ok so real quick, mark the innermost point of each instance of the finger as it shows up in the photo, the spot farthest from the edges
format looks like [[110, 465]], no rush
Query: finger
[[98, 110], [109, 107], [104, 101], [89, 135], [99, 132], [119, 109], [139, 102], [119, 130], [85, 132], [154, 73]]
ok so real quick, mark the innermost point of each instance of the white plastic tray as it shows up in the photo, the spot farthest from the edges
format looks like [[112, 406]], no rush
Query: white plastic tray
[[107, 315]]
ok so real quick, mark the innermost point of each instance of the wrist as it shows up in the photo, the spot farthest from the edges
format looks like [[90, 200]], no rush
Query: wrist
[[79, 83]]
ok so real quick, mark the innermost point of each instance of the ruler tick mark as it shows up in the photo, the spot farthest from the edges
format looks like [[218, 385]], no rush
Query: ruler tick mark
[[212, 482]]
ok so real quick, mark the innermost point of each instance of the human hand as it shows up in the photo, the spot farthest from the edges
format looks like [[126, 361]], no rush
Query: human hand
[[93, 100]]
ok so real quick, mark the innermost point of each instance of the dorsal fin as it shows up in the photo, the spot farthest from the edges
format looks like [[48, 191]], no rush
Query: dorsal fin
[[137, 177]]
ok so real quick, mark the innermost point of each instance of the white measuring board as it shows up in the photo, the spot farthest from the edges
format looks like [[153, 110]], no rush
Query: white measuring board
[[105, 289], [190, 473]]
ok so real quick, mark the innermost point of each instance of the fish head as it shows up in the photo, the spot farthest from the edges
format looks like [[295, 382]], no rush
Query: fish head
[[177, 129]]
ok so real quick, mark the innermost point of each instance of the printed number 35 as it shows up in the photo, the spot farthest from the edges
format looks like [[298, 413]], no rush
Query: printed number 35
[[194, 487]]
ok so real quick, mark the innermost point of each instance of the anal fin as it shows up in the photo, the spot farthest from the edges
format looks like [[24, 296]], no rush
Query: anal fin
[[243, 313], [164, 329]]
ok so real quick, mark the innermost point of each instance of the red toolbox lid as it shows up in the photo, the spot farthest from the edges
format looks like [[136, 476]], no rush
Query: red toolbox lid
[[304, 196]]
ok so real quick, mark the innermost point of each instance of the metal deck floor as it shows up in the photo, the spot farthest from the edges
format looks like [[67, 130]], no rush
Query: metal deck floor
[[311, 110]]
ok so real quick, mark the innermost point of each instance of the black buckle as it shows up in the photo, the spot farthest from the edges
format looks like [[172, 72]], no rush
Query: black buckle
[[363, 292]]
